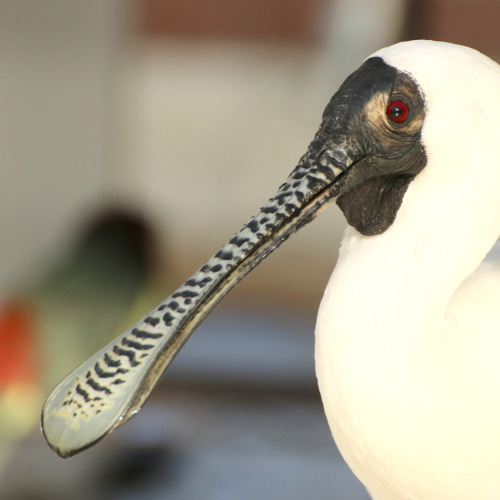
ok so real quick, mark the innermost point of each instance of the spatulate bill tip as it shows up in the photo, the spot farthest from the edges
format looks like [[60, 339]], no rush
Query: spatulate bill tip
[[66, 440], [70, 425], [66, 451]]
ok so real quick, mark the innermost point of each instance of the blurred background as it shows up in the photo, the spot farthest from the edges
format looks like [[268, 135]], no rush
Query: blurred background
[[136, 136]]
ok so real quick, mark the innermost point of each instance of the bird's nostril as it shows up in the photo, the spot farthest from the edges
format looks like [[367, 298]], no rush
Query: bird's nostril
[[321, 152]]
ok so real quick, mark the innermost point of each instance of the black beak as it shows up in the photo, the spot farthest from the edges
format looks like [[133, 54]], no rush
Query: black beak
[[110, 387]]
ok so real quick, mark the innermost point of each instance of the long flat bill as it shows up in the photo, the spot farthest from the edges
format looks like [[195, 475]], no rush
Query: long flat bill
[[111, 386]]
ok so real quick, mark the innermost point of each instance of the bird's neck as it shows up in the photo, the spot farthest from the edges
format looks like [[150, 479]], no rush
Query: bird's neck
[[443, 230], [385, 283], [408, 274]]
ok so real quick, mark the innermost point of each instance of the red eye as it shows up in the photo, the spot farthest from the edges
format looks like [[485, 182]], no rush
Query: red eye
[[397, 111]]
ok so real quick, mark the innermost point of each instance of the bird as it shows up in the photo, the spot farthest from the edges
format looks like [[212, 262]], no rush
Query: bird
[[407, 334], [66, 310]]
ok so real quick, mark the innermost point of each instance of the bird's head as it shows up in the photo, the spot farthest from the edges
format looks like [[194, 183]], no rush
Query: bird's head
[[369, 143]]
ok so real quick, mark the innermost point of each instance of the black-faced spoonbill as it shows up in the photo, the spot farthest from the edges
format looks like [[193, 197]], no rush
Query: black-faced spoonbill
[[408, 332]]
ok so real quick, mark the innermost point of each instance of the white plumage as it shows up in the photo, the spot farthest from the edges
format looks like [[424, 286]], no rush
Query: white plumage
[[408, 332]]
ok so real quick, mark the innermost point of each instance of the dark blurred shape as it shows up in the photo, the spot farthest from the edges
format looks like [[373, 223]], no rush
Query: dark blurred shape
[[272, 21], [115, 243], [87, 297], [139, 468], [466, 22]]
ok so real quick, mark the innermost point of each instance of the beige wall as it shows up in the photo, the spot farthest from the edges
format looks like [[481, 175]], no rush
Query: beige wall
[[55, 59]]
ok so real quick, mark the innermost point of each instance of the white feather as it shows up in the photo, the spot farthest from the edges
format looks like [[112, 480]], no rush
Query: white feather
[[408, 332]]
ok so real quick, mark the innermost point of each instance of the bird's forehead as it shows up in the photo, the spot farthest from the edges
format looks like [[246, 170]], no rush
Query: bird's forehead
[[372, 79]]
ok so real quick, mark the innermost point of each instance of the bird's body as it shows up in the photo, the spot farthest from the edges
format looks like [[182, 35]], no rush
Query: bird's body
[[409, 388], [408, 334]]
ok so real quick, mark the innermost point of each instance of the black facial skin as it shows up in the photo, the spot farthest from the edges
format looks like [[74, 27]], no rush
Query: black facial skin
[[385, 156]]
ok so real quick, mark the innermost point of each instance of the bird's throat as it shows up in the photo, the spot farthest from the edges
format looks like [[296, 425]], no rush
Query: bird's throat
[[372, 206]]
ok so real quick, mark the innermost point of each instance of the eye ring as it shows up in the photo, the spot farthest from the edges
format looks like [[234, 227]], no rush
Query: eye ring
[[397, 111]]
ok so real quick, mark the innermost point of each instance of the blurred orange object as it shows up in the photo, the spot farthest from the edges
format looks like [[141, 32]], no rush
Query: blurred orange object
[[18, 360]]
